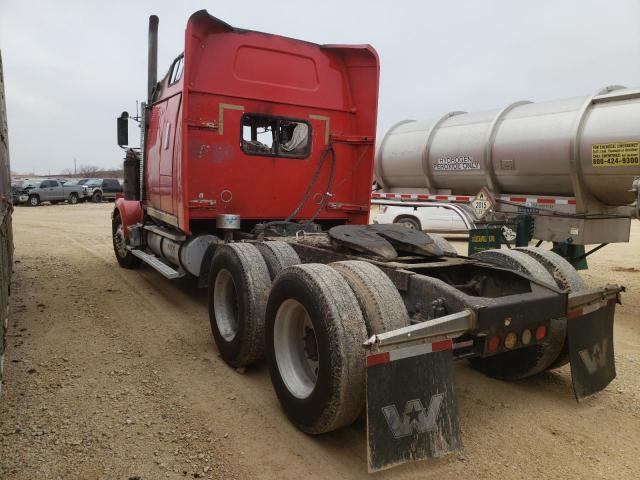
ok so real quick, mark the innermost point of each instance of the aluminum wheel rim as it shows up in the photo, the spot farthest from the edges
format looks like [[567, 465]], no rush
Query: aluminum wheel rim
[[120, 242], [294, 343], [225, 305]]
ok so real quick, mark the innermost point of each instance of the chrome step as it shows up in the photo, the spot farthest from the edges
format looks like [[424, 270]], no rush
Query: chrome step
[[157, 264]]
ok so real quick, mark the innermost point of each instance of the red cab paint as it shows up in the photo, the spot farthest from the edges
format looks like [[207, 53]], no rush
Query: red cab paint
[[196, 164]]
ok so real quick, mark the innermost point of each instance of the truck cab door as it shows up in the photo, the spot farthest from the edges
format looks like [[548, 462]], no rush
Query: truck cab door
[[47, 190], [107, 188], [43, 190], [56, 191], [169, 153]]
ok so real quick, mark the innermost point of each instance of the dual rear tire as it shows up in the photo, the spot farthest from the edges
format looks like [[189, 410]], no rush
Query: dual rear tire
[[239, 281], [317, 319], [310, 324], [238, 289]]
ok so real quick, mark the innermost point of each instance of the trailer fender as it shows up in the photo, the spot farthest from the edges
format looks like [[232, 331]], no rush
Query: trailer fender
[[130, 212]]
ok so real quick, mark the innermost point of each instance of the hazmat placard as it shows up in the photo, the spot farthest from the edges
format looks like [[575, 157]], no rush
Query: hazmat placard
[[482, 203], [619, 154]]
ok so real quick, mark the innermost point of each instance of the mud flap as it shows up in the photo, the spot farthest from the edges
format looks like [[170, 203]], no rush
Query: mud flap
[[412, 410], [591, 350]]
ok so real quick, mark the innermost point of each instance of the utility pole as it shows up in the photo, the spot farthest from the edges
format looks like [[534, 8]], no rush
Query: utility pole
[[75, 169]]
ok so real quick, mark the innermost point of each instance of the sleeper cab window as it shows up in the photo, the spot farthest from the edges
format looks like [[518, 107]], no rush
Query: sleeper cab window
[[275, 136], [176, 70]]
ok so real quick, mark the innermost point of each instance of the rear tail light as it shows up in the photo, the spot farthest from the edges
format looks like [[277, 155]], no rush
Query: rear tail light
[[494, 343], [541, 332], [526, 336]]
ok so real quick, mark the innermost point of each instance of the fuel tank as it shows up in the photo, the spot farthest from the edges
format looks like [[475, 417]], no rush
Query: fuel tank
[[529, 148]]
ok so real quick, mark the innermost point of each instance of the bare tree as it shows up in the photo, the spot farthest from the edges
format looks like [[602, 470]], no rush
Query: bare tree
[[88, 170]]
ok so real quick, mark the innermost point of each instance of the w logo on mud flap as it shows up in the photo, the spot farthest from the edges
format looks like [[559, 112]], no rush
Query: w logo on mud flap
[[415, 418], [596, 357]]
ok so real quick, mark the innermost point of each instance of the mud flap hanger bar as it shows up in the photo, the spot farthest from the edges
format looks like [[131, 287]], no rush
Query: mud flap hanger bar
[[589, 297], [449, 326]]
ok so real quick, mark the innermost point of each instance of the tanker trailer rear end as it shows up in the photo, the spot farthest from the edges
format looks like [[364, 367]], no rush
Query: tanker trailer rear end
[[254, 177], [572, 163]]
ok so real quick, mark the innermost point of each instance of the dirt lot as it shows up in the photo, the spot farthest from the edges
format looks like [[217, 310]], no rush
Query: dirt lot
[[113, 374]]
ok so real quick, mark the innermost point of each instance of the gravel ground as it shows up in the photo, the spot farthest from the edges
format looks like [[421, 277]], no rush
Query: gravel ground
[[112, 374]]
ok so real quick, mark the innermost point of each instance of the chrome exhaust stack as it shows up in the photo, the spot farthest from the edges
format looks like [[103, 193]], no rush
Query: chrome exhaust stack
[[152, 64]]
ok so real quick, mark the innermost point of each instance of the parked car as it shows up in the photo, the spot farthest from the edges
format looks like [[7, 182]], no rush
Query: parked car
[[430, 217], [99, 189], [20, 190], [53, 191]]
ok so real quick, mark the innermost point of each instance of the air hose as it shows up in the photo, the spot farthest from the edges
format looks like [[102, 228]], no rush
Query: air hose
[[328, 150]]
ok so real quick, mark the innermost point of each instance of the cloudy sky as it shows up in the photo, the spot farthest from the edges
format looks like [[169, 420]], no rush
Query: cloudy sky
[[72, 66]]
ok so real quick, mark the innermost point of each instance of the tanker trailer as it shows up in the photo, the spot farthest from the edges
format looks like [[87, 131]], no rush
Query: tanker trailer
[[571, 166]]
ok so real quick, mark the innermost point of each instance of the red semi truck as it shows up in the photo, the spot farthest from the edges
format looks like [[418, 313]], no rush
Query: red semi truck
[[253, 175]]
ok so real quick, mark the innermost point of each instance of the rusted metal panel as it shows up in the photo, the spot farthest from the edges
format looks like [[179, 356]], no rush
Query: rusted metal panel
[[6, 239]]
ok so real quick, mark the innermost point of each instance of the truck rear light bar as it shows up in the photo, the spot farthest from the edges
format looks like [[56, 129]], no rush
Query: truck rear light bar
[[456, 324]]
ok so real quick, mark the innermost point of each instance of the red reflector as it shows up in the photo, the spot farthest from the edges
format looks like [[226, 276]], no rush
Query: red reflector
[[541, 332], [443, 345], [378, 359], [494, 343], [574, 313]]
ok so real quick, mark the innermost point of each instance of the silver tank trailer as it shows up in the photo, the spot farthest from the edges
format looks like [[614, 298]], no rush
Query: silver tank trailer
[[582, 146]]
